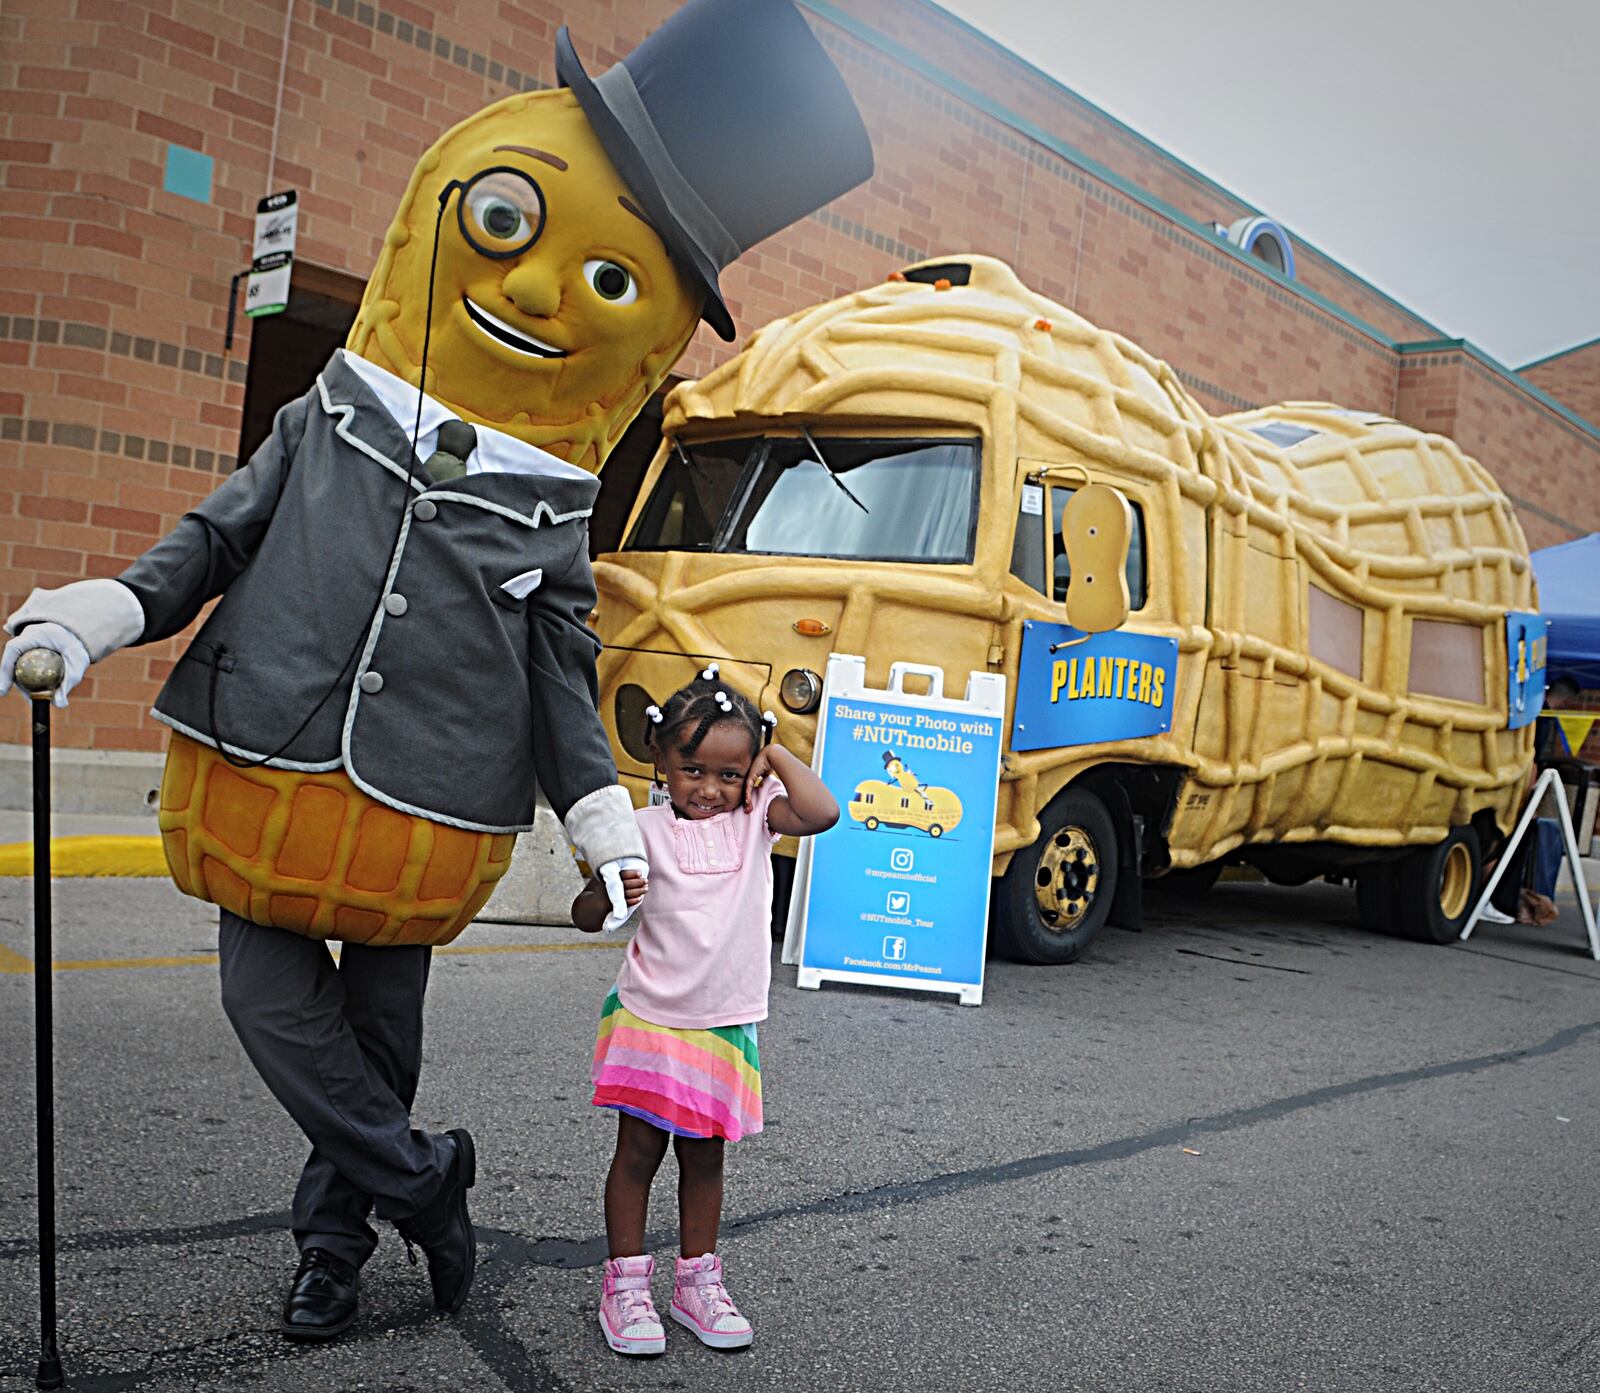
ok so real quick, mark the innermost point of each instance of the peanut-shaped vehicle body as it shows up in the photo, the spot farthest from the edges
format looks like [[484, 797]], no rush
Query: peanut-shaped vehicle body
[[889, 475]]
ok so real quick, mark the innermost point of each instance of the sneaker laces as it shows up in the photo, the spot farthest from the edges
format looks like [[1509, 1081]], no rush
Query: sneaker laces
[[636, 1305], [717, 1298]]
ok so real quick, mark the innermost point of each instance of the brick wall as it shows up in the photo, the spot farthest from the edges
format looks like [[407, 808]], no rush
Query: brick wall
[[119, 407], [1572, 378]]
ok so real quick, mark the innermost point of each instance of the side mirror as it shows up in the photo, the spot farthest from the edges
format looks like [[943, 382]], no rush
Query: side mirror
[[1096, 528]]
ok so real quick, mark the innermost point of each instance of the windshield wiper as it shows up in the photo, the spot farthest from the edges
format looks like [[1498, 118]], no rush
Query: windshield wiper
[[828, 470], [688, 461]]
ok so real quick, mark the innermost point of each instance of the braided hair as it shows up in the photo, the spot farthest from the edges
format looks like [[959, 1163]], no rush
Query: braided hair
[[704, 703]]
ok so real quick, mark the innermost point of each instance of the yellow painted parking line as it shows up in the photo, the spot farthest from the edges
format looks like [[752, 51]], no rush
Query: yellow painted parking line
[[14, 964], [89, 856]]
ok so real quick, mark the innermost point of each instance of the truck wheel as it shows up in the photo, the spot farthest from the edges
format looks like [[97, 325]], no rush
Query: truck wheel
[[1057, 892], [1375, 896], [872, 824], [936, 831], [1435, 888]]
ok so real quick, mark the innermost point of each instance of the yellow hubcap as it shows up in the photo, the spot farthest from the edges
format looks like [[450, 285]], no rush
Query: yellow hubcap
[[1455, 884], [1065, 883]]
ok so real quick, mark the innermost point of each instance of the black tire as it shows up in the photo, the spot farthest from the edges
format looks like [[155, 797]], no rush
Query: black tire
[[872, 824], [782, 892], [1375, 896], [1075, 858], [935, 831], [1435, 888]]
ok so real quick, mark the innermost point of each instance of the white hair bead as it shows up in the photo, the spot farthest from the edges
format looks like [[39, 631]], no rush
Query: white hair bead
[[710, 674], [769, 718], [654, 713]]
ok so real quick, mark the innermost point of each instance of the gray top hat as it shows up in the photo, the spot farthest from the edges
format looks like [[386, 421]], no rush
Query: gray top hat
[[728, 123]]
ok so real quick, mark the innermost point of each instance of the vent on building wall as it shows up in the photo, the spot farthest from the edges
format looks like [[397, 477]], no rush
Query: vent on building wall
[[1263, 239]]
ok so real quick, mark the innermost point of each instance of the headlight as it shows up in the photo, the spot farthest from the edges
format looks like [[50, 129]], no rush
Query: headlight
[[800, 690]]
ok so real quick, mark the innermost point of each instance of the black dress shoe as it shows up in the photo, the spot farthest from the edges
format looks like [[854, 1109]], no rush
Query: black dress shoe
[[322, 1302], [443, 1230]]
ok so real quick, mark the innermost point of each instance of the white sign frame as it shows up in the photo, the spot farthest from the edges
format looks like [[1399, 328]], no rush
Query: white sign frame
[[847, 677], [1551, 778]]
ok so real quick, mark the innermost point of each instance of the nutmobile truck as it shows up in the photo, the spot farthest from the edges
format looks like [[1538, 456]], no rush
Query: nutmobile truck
[[1297, 637]]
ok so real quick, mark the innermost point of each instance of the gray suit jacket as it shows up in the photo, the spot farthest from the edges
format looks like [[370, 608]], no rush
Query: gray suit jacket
[[365, 626]]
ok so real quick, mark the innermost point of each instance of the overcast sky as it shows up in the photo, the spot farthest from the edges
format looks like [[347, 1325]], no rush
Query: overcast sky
[[1447, 151]]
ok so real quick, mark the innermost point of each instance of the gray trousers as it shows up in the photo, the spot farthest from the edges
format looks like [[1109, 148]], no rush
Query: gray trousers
[[340, 1046]]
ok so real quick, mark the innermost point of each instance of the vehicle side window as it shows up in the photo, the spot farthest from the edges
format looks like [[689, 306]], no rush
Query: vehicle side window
[[1028, 547]]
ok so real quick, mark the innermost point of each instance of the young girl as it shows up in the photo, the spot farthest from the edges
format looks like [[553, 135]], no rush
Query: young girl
[[677, 1055]]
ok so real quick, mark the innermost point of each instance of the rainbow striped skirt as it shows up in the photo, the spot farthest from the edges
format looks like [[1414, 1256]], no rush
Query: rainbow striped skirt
[[692, 1083]]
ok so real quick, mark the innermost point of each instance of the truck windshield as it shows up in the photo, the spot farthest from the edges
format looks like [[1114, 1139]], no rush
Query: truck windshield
[[869, 500]]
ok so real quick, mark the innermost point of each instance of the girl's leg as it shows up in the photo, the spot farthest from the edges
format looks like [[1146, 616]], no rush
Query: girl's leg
[[640, 1148], [699, 1193]]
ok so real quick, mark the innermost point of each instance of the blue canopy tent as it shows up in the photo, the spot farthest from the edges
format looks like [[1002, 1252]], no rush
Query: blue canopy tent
[[1569, 597]]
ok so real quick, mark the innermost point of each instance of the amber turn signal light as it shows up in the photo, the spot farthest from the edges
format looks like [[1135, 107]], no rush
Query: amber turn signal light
[[812, 628]]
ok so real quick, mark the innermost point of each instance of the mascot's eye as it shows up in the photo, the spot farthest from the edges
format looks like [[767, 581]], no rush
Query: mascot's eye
[[501, 211], [500, 218], [611, 282]]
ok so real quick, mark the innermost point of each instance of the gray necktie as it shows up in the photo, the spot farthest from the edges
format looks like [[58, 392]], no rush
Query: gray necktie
[[449, 459]]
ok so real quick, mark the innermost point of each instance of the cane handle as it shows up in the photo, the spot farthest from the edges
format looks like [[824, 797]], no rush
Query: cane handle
[[39, 672]]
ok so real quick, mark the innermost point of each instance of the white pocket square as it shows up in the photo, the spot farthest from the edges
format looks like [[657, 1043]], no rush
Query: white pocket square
[[520, 587]]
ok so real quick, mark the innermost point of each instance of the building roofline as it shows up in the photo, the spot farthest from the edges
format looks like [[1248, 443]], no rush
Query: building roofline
[[1571, 417], [1561, 353], [1073, 155]]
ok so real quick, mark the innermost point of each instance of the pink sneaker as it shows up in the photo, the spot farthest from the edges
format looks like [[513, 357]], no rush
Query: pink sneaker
[[700, 1301], [627, 1315]]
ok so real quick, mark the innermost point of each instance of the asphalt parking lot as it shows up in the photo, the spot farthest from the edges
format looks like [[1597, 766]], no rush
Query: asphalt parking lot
[[1252, 1148]]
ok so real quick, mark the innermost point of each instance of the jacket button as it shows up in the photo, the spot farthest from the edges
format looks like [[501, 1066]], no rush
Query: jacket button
[[425, 509], [395, 604], [371, 682]]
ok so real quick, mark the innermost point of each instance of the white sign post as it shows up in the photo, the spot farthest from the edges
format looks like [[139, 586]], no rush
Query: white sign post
[[1550, 778], [272, 255], [897, 894]]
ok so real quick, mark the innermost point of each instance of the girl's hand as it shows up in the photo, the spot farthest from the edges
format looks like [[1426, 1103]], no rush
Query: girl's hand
[[760, 768], [634, 886]]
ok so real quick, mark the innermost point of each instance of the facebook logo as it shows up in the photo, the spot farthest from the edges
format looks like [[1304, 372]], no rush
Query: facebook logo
[[901, 859], [894, 950], [899, 902]]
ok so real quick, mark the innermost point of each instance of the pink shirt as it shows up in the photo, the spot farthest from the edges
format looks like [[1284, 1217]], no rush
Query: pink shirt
[[702, 954]]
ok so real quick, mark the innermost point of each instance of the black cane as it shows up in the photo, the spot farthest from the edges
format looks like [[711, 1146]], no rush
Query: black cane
[[39, 672]]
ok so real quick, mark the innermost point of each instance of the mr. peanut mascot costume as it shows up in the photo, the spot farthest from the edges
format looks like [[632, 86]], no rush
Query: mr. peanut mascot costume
[[401, 653]]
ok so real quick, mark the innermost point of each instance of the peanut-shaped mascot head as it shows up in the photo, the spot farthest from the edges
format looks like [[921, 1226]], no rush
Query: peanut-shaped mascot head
[[581, 231]]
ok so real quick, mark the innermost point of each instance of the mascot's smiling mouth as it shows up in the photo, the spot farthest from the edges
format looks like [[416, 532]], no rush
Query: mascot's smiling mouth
[[499, 330]]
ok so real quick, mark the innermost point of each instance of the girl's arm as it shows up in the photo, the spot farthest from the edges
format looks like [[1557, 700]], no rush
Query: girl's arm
[[809, 808], [592, 905]]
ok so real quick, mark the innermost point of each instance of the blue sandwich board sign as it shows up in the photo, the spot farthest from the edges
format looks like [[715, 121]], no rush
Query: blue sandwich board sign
[[897, 893], [1527, 640], [1086, 689]]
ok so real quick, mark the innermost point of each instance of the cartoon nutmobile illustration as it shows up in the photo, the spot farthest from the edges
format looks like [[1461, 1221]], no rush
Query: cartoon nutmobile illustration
[[401, 652], [904, 803]]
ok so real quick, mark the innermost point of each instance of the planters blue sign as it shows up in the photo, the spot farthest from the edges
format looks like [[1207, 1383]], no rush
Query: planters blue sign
[[1527, 638], [898, 892], [1077, 689]]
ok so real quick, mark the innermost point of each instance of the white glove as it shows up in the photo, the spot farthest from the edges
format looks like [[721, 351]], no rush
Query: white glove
[[74, 656], [611, 878]]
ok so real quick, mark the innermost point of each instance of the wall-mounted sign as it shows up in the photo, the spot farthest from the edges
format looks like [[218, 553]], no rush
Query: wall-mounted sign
[[272, 255], [897, 893], [1527, 639], [1078, 689]]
